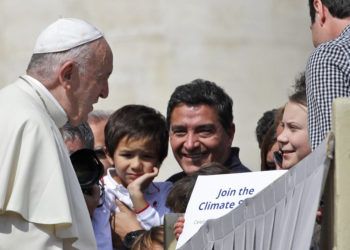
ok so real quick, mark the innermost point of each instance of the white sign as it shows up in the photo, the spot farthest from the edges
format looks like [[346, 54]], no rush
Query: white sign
[[215, 195]]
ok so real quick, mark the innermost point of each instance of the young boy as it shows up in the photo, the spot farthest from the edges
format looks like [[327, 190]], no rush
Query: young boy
[[136, 139]]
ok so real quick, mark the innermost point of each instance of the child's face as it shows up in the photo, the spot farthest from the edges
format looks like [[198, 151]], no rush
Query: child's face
[[294, 140], [132, 158]]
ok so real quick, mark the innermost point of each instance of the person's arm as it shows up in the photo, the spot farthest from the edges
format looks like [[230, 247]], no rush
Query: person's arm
[[92, 200], [125, 226], [124, 221], [327, 77]]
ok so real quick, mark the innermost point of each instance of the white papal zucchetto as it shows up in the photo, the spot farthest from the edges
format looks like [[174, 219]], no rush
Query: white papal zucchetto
[[65, 34]]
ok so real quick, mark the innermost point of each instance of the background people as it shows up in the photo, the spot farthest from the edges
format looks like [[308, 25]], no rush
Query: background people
[[76, 138], [97, 120], [67, 74], [267, 130], [201, 131], [264, 124], [327, 71]]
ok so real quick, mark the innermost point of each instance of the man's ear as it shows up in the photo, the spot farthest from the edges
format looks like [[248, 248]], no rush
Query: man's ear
[[66, 74], [320, 11], [231, 131]]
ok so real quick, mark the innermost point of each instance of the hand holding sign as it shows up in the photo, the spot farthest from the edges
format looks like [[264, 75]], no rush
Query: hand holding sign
[[178, 226]]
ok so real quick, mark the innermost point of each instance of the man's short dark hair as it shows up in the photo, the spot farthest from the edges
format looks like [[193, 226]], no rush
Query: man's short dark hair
[[338, 8], [137, 122], [203, 92]]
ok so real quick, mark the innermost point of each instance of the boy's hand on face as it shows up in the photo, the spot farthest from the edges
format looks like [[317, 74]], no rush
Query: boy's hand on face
[[135, 189], [142, 182]]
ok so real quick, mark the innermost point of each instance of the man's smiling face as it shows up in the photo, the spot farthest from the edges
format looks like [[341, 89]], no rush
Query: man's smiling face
[[197, 136]]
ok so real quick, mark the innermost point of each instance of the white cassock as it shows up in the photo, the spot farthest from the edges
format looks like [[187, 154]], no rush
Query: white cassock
[[41, 203]]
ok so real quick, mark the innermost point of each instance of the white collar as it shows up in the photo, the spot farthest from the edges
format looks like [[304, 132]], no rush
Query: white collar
[[45, 90], [52, 106]]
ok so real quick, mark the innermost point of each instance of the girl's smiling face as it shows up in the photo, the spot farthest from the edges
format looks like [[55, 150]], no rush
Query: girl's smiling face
[[294, 141]]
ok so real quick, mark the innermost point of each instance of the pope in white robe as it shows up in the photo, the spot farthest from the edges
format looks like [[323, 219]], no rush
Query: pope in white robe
[[41, 203]]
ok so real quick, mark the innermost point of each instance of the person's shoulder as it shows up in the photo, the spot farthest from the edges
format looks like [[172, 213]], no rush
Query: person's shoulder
[[163, 184], [109, 196], [343, 38], [108, 181], [15, 93], [175, 177], [27, 122], [12, 96], [7, 89], [335, 52], [235, 163], [333, 48], [27, 111], [241, 169]]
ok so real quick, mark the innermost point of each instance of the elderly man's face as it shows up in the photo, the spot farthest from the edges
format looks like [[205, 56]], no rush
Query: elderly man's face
[[197, 137], [92, 84]]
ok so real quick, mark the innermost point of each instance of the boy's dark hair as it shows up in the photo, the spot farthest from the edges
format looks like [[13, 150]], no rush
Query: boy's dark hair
[[180, 193], [203, 92], [137, 122], [338, 8]]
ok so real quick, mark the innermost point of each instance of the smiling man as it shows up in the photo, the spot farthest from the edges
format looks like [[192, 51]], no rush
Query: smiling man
[[41, 202], [201, 128]]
